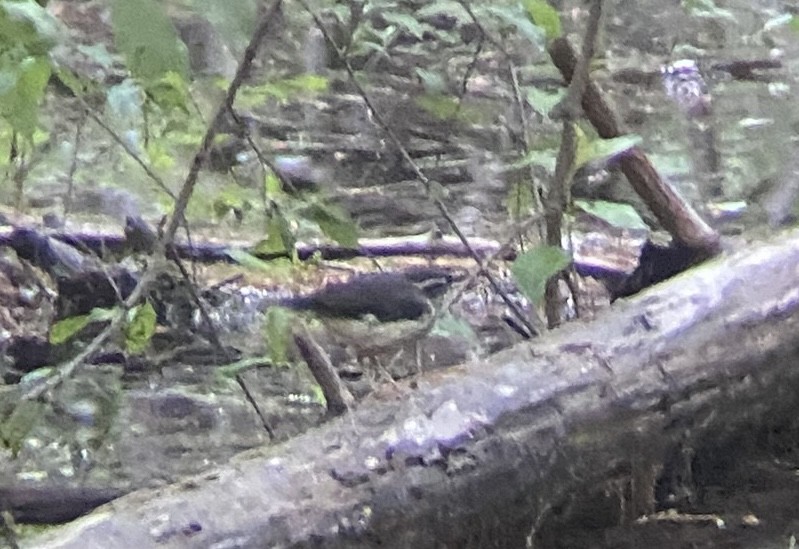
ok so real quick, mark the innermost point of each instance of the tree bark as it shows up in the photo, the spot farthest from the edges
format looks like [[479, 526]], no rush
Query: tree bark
[[476, 455]]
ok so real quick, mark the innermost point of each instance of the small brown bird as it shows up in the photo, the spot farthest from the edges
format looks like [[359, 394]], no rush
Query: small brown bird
[[378, 312]]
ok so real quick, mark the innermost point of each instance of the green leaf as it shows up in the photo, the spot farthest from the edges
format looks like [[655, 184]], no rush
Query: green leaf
[[543, 101], [450, 326], [622, 216], [147, 39], [171, 91], [21, 91], [27, 25], [544, 158], [406, 22], [602, 149], [64, 330], [335, 223], [531, 270], [513, 16], [441, 106], [544, 16], [248, 261], [140, 327], [282, 90], [277, 331], [274, 189], [19, 424], [520, 200], [279, 237]]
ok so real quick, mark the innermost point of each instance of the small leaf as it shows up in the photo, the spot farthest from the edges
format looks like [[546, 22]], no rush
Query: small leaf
[[230, 371], [406, 22], [514, 17], [248, 261], [451, 326], [335, 223], [140, 327], [622, 216], [520, 200], [543, 101], [531, 270], [19, 424], [171, 91], [441, 106], [544, 16], [277, 331], [602, 149], [65, 329], [279, 238]]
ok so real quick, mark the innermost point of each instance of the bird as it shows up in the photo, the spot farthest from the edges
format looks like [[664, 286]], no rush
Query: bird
[[378, 312]]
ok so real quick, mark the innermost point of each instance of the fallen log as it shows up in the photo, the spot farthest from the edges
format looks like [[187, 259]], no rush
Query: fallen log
[[478, 454]]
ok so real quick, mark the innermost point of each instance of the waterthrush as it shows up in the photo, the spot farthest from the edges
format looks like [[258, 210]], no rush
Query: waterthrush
[[378, 312]]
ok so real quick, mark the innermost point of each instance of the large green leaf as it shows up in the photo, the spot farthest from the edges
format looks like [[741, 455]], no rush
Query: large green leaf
[[21, 90], [544, 16], [531, 270], [147, 39]]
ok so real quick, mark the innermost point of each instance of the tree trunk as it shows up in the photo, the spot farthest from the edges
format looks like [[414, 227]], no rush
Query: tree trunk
[[476, 456]]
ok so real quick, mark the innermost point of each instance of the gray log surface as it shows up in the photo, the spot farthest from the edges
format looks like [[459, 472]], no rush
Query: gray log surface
[[471, 456]]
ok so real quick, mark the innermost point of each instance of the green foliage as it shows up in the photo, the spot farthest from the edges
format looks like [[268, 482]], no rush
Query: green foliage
[[543, 101], [147, 39], [27, 34], [16, 426], [26, 27], [277, 331], [621, 216], [520, 201], [279, 237], [544, 16], [64, 330], [531, 270], [450, 326], [335, 223], [513, 17], [21, 92], [140, 327], [249, 261], [601, 149], [282, 90], [406, 22], [440, 106]]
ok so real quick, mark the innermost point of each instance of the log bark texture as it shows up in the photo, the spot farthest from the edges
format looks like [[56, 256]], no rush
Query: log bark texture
[[476, 455]]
